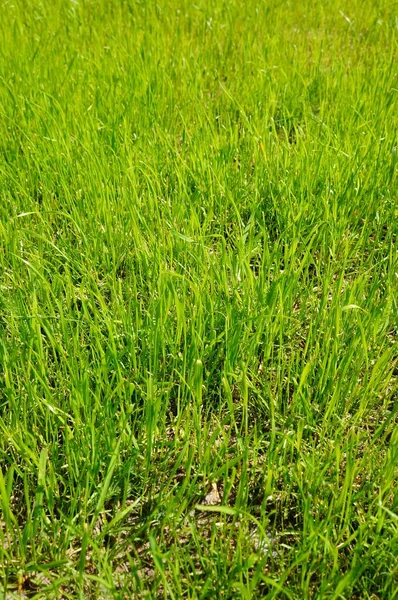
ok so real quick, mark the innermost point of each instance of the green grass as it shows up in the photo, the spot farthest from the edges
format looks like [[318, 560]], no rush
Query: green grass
[[198, 293]]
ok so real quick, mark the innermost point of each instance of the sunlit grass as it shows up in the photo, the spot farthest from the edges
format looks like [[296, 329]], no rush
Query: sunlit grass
[[198, 299]]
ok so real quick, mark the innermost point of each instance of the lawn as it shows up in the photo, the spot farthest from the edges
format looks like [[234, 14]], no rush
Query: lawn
[[198, 299]]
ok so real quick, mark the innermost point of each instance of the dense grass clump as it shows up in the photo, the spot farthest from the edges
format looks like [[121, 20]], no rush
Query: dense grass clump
[[198, 299]]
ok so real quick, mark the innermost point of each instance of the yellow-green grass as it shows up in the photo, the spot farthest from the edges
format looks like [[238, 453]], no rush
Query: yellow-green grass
[[198, 299]]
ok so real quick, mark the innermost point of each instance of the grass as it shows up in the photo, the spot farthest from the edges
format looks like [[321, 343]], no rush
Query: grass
[[198, 299]]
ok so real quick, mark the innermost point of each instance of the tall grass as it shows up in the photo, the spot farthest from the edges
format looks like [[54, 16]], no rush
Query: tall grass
[[198, 299]]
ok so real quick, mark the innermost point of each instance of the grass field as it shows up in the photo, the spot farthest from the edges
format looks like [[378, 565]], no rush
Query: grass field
[[198, 299]]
